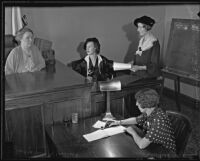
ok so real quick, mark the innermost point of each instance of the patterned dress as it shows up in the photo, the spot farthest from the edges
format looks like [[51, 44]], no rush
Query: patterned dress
[[157, 128]]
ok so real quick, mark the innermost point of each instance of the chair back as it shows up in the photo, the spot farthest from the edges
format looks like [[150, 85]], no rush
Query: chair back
[[45, 46], [182, 128], [10, 43]]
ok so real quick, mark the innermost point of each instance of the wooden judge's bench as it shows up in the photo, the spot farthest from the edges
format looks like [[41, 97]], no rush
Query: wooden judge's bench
[[34, 101]]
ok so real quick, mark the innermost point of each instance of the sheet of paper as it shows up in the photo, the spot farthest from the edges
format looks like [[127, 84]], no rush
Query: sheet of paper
[[95, 135], [99, 124], [114, 130], [99, 134]]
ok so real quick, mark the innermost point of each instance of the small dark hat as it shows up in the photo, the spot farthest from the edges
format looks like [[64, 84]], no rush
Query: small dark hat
[[198, 14], [145, 20]]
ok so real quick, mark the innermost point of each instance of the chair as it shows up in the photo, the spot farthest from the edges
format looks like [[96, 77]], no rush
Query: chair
[[45, 47], [10, 43], [183, 128]]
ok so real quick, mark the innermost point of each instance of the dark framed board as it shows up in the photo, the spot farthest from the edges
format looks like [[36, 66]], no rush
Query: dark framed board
[[183, 49]]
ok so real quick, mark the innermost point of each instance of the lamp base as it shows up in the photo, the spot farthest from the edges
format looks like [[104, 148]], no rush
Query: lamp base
[[108, 116]]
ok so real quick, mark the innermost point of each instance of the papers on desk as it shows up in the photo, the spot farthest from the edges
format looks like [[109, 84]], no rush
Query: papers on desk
[[99, 124], [99, 134]]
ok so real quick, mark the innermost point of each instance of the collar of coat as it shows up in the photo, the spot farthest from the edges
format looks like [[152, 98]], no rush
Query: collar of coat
[[88, 60], [146, 42]]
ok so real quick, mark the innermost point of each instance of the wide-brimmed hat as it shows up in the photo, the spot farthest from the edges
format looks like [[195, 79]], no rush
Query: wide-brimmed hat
[[145, 20]]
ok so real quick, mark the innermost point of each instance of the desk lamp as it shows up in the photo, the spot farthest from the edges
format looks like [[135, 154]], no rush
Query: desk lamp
[[109, 86]]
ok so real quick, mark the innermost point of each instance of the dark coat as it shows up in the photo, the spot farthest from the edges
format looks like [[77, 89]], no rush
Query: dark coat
[[151, 59], [105, 69]]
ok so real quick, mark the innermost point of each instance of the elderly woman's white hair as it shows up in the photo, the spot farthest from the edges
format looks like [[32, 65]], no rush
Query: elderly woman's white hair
[[21, 32]]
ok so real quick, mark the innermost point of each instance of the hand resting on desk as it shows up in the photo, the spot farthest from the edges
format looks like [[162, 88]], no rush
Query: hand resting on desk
[[113, 123]]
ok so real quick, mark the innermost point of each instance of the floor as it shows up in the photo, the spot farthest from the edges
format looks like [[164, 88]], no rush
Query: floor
[[193, 146]]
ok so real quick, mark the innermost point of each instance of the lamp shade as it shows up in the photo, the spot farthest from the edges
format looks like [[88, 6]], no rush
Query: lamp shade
[[110, 86]]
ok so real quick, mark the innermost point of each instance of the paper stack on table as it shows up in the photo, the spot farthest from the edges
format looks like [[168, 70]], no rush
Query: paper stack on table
[[99, 134]]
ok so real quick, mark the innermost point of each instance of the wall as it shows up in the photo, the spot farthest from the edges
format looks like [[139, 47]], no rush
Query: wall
[[67, 27], [8, 21], [185, 12]]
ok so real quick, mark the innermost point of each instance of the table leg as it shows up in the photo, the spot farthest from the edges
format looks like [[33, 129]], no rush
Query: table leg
[[177, 92]]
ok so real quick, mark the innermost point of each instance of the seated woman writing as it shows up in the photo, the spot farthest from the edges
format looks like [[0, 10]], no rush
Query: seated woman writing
[[154, 122], [26, 57]]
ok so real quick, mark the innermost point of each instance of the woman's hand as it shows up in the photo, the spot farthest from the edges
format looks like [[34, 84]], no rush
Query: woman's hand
[[135, 68], [114, 123]]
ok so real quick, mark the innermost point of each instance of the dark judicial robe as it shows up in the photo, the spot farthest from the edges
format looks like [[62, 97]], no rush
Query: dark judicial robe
[[102, 70]]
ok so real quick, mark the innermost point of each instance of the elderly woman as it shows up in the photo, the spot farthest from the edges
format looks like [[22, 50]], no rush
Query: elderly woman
[[153, 121], [146, 58], [26, 57]]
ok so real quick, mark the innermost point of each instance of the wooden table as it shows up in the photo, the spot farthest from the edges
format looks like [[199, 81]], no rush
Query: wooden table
[[68, 142], [178, 78], [33, 99]]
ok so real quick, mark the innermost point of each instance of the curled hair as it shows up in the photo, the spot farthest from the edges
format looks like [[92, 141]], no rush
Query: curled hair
[[21, 32], [147, 27], [96, 44], [147, 98]]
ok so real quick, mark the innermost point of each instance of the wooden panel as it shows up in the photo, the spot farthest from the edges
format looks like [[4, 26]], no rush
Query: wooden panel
[[24, 127]]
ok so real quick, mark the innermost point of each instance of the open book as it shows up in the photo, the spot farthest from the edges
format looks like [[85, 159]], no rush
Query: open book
[[102, 133]]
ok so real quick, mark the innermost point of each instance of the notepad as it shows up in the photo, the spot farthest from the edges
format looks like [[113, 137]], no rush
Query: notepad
[[99, 124], [99, 134]]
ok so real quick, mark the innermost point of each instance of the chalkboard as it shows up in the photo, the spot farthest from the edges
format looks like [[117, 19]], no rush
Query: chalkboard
[[183, 49]]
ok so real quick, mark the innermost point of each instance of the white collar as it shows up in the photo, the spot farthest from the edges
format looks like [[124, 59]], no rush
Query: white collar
[[88, 60], [146, 42]]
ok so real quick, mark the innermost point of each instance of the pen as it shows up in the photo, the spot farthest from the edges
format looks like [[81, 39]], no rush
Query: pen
[[102, 128]]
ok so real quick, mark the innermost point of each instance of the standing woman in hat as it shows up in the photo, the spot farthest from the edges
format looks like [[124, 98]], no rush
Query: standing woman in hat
[[146, 58]]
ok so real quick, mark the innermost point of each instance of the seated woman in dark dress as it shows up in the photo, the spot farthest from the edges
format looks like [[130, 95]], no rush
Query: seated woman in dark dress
[[96, 67]]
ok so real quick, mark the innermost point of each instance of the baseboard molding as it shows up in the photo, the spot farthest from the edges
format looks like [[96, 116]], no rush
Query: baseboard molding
[[186, 100]]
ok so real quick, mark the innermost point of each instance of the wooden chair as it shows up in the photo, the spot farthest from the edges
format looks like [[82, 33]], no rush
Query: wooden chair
[[183, 128], [10, 43], [45, 47]]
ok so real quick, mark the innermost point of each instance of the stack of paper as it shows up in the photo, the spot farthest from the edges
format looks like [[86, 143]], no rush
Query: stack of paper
[[99, 124], [121, 66], [99, 134]]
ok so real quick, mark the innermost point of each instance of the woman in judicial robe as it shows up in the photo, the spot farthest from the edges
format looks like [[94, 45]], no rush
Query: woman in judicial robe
[[94, 67]]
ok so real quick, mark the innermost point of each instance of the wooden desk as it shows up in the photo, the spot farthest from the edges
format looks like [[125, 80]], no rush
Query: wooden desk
[[178, 77], [68, 142], [35, 99]]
